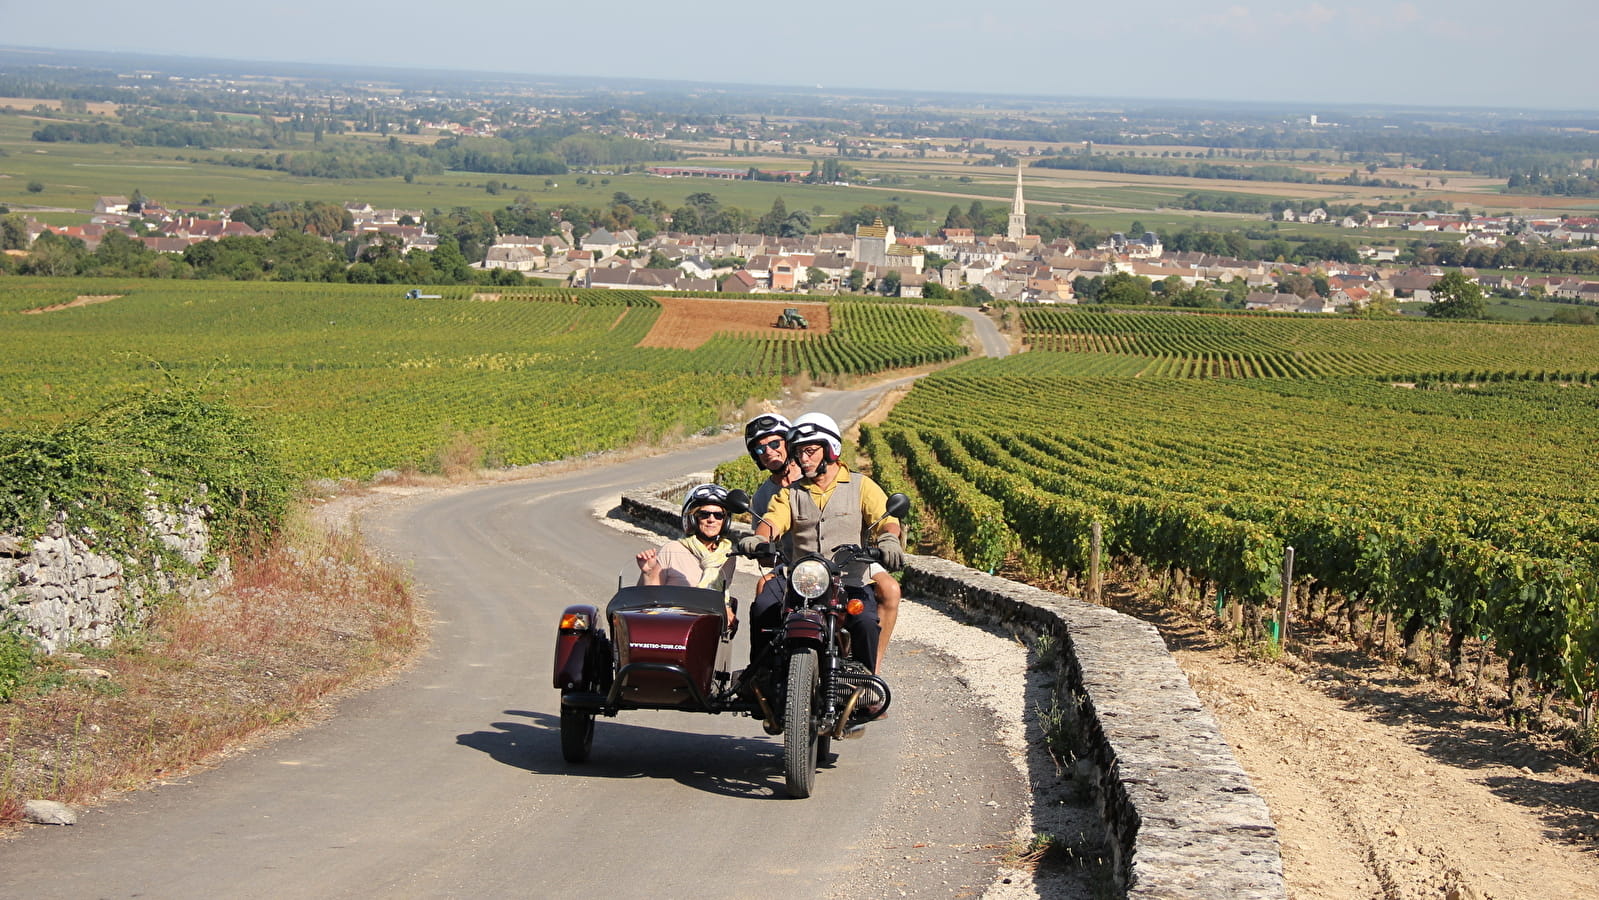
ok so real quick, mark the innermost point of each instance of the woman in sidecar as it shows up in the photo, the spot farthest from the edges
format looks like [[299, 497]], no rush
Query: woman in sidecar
[[704, 557]]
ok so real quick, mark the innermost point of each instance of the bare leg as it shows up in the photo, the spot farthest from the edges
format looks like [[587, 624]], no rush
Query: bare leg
[[887, 611]]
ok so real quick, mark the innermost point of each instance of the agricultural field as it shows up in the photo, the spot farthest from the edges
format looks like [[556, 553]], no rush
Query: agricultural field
[[72, 176], [1081, 341], [355, 379], [1436, 474]]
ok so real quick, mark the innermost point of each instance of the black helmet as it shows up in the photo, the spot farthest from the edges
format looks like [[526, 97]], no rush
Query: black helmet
[[762, 427], [705, 494]]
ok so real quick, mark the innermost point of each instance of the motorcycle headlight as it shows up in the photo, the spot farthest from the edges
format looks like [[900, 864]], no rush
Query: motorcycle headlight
[[810, 579]]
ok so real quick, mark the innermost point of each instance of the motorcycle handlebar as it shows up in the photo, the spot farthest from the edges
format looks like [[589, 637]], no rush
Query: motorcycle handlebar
[[767, 550]]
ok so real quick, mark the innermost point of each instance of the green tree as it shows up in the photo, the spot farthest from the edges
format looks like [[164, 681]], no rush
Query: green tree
[[13, 233], [1126, 289], [857, 279], [978, 295], [55, 255], [1297, 284], [891, 283], [449, 264], [1379, 305], [299, 256], [1457, 297], [119, 254]]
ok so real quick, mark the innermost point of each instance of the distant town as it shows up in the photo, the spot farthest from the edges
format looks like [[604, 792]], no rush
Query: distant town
[[1016, 267]]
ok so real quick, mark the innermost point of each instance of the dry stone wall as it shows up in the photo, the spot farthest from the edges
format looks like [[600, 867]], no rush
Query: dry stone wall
[[60, 591], [1183, 818]]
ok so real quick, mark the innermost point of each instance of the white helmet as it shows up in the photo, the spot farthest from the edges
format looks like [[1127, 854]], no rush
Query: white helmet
[[762, 427], [817, 428], [705, 494]]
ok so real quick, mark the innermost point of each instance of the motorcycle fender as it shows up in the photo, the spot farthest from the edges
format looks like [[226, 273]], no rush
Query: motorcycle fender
[[574, 651], [804, 627]]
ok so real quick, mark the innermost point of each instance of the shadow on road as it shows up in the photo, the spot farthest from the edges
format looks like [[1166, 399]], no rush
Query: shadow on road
[[729, 765]]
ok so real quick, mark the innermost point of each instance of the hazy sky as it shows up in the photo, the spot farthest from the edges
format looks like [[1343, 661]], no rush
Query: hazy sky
[[1432, 52]]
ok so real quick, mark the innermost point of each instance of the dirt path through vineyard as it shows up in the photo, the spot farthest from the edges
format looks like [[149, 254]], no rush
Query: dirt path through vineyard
[[1384, 786]]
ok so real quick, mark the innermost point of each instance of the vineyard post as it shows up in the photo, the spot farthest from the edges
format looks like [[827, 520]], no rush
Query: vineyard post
[[1095, 534], [1288, 593]]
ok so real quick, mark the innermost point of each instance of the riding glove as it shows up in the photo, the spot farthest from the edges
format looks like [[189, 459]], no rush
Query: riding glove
[[893, 552]]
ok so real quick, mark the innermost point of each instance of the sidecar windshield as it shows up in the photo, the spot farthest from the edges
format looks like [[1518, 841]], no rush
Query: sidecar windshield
[[647, 596]]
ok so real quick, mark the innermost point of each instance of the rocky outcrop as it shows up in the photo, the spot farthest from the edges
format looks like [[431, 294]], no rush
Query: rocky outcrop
[[1182, 816], [60, 591]]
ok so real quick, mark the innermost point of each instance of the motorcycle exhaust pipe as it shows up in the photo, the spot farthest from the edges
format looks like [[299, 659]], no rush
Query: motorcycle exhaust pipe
[[842, 731], [770, 722]]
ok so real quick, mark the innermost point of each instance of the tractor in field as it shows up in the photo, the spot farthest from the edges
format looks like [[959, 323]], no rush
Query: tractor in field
[[414, 294], [791, 318]]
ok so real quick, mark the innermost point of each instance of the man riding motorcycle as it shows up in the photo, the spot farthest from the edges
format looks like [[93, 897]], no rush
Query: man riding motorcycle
[[828, 507]]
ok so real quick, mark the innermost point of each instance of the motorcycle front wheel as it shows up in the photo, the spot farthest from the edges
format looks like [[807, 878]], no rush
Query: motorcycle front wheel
[[800, 740], [577, 733]]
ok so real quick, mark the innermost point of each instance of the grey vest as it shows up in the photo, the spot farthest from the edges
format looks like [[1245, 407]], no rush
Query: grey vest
[[819, 531]]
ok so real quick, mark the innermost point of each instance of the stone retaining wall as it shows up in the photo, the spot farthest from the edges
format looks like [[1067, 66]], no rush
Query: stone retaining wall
[[64, 593], [1183, 819]]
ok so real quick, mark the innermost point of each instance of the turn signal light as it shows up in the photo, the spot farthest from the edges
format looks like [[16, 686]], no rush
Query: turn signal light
[[574, 622], [855, 606]]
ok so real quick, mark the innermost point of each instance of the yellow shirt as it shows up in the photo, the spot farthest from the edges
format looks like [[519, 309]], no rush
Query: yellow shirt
[[874, 502]]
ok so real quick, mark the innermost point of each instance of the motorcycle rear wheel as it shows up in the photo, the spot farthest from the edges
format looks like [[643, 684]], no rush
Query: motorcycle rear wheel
[[800, 740], [577, 733]]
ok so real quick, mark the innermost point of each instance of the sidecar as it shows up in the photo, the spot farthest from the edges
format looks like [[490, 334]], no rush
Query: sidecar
[[667, 648]]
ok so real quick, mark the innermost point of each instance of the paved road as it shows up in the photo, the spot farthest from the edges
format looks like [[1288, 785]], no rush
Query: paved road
[[994, 343], [449, 781]]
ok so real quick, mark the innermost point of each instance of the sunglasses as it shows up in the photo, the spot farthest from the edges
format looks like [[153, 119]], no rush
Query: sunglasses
[[771, 446], [706, 515]]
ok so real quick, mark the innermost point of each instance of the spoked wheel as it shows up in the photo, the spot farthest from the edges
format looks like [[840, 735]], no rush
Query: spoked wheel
[[577, 733], [800, 740]]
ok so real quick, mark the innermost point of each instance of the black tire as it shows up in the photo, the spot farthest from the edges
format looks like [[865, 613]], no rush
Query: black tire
[[577, 733], [824, 750], [800, 740]]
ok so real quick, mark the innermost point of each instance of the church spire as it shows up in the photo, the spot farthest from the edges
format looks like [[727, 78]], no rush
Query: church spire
[[1017, 229]]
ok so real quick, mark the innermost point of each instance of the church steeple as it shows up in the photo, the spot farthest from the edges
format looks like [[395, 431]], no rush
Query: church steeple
[[1017, 229]]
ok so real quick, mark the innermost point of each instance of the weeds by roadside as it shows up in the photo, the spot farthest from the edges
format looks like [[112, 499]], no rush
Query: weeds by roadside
[[312, 613]]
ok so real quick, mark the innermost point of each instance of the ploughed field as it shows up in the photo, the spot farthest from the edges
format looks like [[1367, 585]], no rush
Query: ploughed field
[[687, 323]]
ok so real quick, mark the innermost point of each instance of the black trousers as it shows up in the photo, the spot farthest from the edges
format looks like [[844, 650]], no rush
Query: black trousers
[[766, 616]]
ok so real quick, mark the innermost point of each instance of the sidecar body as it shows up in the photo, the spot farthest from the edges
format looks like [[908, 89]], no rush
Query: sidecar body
[[662, 651]]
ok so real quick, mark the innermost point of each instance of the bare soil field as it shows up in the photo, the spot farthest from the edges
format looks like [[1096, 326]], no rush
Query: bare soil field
[[1387, 784], [24, 104], [686, 322], [80, 300]]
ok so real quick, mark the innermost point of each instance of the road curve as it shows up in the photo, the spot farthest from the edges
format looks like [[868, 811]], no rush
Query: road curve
[[993, 342], [449, 780]]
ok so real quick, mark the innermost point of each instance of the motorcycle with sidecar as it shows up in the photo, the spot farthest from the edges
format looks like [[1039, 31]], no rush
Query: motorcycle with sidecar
[[665, 647]]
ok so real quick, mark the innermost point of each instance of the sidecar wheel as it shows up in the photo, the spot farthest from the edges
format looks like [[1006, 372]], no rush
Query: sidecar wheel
[[800, 740], [577, 733]]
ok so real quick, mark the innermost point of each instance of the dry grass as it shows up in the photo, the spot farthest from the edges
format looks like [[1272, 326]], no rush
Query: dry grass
[[314, 613]]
